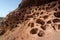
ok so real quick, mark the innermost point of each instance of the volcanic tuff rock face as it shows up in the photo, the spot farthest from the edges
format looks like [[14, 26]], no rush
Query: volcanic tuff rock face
[[33, 20]]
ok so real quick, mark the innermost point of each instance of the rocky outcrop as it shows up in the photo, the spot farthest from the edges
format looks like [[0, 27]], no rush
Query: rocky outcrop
[[32, 20], [28, 3]]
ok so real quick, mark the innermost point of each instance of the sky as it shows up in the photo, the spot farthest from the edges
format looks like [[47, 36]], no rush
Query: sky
[[7, 6]]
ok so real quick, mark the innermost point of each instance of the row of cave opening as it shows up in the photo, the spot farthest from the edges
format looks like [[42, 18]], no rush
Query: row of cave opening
[[40, 21], [40, 33]]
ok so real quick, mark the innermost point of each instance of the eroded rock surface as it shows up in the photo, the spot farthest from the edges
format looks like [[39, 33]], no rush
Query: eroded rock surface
[[32, 20]]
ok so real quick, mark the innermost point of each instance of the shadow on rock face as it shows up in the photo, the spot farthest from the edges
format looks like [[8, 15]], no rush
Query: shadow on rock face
[[28, 3]]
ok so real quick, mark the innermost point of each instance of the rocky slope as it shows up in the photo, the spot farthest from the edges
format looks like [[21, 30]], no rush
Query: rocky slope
[[32, 20]]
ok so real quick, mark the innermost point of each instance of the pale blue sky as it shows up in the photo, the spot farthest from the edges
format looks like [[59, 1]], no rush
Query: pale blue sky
[[7, 6]]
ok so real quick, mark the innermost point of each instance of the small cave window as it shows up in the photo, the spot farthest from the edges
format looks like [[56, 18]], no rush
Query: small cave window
[[41, 34], [34, 31], [57, 14], [56, 20], [31, 24], [49, 22], [43, 27], [40, 21]]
